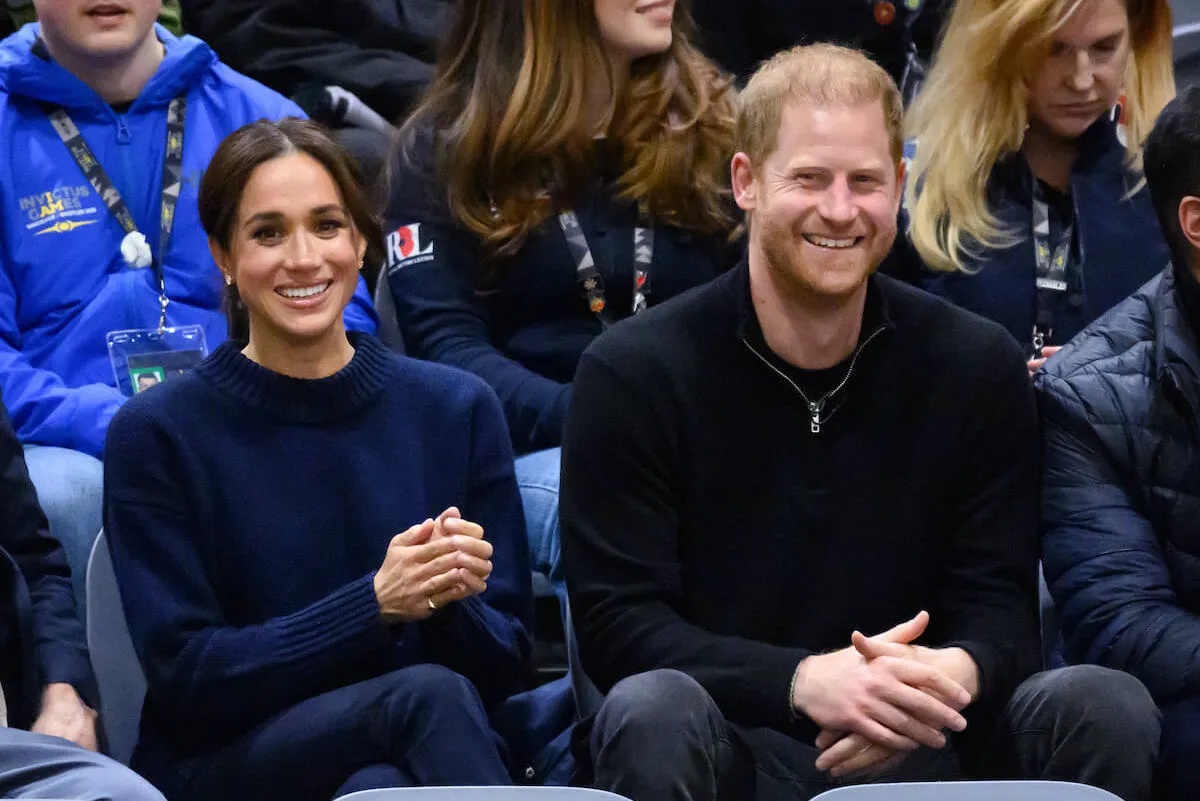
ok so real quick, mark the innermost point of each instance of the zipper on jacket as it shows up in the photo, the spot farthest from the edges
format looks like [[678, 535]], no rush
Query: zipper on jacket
[[123, 136], [816, 407]]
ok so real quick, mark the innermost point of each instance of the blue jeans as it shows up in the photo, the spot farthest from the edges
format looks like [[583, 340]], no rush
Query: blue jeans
[[417, 726], [70, 488], [37, 766], [537, 478]]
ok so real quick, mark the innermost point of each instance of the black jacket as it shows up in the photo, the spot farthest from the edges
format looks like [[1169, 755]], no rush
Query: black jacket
[[381, 50], [1121, 492], [741, 34], [706, 528], [41, 638]]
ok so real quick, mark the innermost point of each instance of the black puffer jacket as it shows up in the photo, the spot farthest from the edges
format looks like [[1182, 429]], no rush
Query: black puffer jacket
[[1121, 494]]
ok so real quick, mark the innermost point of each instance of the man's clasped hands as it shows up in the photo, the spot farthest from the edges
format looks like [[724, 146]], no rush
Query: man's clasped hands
[[883, 697]]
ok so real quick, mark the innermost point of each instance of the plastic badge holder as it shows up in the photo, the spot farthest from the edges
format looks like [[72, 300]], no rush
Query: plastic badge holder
[[143, 358]]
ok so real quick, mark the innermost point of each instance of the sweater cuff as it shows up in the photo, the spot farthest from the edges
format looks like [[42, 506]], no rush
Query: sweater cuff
[[768, 690], [985, 658], [68, 666], [455, 623], [345, 620]]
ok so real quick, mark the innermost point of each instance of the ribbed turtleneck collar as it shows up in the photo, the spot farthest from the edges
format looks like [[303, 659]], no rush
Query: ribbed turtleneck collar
[[302, 400]]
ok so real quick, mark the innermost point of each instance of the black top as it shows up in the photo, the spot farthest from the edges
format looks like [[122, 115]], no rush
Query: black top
[[41, 637], [741, 35], [381, 50], [706, 528]]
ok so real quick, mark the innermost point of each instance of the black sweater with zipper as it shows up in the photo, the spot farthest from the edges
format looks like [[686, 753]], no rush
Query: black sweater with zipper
[[707, 527]]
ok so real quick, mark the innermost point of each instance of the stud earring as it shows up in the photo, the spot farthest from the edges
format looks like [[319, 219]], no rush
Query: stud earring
[[228, 279], [360, 265]]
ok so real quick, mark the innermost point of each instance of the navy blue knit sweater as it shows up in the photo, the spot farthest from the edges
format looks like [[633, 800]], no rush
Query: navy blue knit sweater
[[248, 512]]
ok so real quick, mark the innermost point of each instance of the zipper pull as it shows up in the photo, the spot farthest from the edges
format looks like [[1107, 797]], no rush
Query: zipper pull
[[122, 130], [814, 409]]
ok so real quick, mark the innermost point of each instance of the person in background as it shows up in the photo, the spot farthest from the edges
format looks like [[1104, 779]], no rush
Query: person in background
[[1025, 200], [48, 737], [566, 170], [16, 13], [733, 523], [319, 544], [381, 51], [73, 268], [741, 35], [1121, 468]]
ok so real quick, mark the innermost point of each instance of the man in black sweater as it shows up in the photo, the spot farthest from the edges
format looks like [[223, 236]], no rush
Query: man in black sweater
[[801, 451]]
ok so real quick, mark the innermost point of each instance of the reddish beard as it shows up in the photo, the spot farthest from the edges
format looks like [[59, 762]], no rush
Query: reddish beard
[[782, 249]]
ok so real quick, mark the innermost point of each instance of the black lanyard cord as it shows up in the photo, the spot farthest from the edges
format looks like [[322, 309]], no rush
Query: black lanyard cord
[[589, 277], [1053, 266], [172, 178]]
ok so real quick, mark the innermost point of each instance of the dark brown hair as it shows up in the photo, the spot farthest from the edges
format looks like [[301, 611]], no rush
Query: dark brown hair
[[236, 159], [509, 107]]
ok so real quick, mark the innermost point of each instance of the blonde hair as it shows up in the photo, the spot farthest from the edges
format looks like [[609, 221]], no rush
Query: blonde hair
[[974, 108], [509, 108], [820, 75]]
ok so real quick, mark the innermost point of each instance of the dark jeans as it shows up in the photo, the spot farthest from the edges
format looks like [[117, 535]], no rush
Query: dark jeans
[[1179, 768], [660, 737], [423, 725]]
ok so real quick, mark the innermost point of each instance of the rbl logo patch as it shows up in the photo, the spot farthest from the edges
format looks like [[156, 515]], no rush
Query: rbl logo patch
[[407, 246]]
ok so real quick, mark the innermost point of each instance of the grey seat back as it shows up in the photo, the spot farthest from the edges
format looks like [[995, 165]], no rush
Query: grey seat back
[[118, 673]]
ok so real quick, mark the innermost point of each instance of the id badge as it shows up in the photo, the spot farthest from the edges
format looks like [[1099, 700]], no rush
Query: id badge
[[144, 358], [1052, 268]]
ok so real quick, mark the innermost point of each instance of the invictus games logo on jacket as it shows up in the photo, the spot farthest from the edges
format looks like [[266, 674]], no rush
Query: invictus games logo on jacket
[[59, 210], [408, 245]]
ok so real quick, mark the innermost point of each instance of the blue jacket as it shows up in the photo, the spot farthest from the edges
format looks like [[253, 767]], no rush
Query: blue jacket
[[1121, 490], [1118, 236], [63, 283]]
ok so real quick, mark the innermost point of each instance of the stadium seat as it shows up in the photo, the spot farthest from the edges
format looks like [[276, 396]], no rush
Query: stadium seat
[[587, 697], [969, 791], [118, 673], [483, 794], [389, 330]]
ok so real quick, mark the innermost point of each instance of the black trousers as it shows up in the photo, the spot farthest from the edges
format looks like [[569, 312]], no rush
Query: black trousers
[[422, 725], [1179, 772], [660, 737]]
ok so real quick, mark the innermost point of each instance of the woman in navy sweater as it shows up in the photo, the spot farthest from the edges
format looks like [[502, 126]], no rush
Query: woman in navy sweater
[[319, 544], [568, 167], [1026, 199]]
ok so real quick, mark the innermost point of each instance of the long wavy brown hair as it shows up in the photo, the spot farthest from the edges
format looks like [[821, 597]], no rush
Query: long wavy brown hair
[[514, 140]]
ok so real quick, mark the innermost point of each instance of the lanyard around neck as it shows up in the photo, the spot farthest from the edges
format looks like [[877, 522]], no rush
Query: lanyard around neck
[[1052, 263], [588, 276], [172, 176]]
